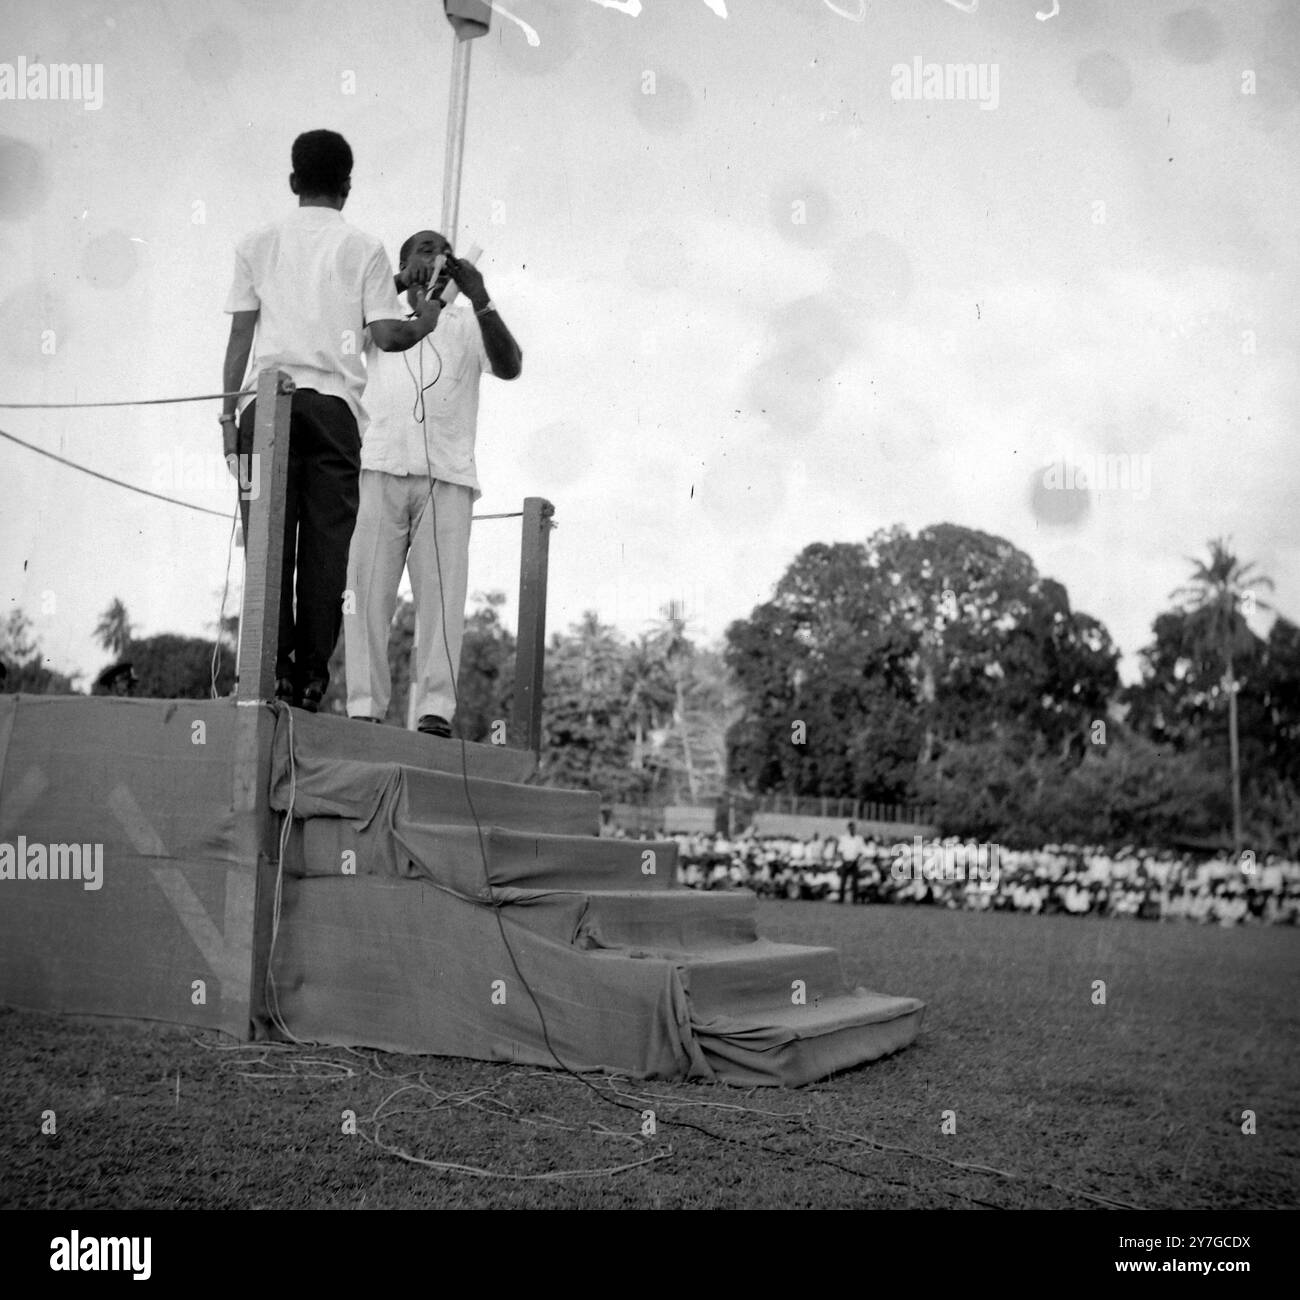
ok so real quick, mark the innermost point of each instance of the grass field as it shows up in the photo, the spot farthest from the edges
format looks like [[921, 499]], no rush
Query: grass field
[[1058, 1101]]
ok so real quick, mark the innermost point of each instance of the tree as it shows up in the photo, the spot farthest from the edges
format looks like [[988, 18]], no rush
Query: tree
[[585, 718], [1128, 791], [1172, 703], [486, 681], [25, 670], [226, 629], [17, 644], [890, 650], [650, 697], [826, 692], [677, 701], [1280, 701], [113, 631], [708, 706], [1213, 602], [171, 667]]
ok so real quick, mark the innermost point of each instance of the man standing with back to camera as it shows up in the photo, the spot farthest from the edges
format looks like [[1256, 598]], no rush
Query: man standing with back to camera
[[305, 288], [419, 483]]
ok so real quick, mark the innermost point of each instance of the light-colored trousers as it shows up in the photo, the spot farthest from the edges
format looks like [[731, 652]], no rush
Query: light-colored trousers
[[395, 529]]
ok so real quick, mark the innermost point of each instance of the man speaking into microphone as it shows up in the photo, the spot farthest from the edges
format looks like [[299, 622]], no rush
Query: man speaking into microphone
[[418, 486]]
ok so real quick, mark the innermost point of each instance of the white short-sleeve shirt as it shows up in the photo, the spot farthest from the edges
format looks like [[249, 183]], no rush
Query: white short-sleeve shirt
[[316, 282], [852, 847], [445, 367]]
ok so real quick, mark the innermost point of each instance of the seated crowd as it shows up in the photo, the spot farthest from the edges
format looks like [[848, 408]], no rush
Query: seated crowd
[[1058, 878]]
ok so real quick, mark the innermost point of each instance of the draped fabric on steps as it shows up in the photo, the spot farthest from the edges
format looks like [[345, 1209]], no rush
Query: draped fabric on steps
[[407, 926]]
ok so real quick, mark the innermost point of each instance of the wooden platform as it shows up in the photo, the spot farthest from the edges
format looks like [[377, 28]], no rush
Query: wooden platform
[[424, 906]]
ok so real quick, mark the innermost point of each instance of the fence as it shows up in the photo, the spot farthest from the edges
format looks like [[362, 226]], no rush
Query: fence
[[862, 810], [732, 813]]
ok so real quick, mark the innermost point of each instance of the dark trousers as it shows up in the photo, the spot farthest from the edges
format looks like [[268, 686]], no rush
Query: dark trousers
[[320, 510], [849, 882]]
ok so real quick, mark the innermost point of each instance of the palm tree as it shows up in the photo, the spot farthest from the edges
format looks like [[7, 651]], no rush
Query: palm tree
[[1214, 602], [114, 629], [676, 654], [929, 660], [643, 674]]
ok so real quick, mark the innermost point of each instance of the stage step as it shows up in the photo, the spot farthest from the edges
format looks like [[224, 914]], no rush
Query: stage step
[[400, 965], [427, 911], [676, 920], [440, 799], [454, 855], [761, 976], [359, 790], [798, 1045], [664, 923], [343, 738]]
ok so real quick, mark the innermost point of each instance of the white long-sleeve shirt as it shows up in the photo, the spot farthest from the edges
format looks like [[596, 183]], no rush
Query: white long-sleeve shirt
[[446, 366]]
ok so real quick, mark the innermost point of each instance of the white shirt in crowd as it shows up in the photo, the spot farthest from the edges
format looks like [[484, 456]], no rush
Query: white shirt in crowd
[[317, 282], [851, 847], [447, 366]]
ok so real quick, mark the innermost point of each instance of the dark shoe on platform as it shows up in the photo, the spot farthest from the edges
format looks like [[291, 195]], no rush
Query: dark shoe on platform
[[364, 717], [312, 694], [432, 725], [284, 690]]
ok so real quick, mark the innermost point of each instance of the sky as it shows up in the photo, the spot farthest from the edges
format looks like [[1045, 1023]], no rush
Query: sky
[[781, 273]]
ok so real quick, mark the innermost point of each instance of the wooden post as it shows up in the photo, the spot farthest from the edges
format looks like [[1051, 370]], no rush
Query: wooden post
[[259, 630], [526, 726], [259, 622]]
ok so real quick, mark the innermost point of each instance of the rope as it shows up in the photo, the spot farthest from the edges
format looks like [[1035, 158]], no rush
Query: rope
[[214, 665], [117, 482], [142, 401], [271, 994], [189, 505], [418, 413]]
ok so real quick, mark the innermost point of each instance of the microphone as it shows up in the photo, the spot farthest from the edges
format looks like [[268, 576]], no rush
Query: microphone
[[451, 290]]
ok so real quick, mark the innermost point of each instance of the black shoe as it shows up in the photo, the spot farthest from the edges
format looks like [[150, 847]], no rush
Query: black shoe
[[312, 694], [432, 725], [364, 717], [284, 690]]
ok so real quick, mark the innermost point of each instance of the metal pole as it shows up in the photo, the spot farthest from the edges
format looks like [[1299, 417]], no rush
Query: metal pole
[[468, 18], [457, 107]]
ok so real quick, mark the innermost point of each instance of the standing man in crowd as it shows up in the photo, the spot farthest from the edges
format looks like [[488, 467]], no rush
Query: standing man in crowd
[[419, 483], [851, 847], [305, 287]]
